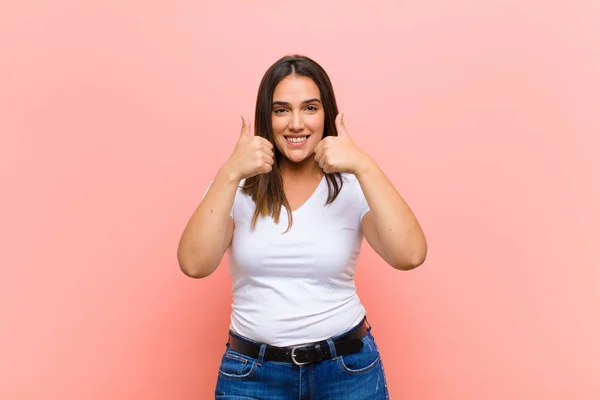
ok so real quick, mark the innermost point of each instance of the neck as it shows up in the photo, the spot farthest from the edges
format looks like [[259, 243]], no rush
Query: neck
[[305, 170]]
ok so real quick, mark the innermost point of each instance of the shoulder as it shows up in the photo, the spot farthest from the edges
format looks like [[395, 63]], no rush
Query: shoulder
[[347, 177], [350, 187], [350, 180], [352, 197]]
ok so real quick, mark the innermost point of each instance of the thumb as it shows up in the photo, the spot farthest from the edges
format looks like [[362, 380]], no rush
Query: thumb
[[341, 128], [246, 128]]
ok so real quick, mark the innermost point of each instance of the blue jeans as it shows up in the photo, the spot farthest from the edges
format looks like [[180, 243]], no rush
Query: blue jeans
[[357, 376]]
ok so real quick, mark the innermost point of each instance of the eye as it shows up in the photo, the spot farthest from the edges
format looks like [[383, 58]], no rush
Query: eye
[[311, 108], [279, 110]]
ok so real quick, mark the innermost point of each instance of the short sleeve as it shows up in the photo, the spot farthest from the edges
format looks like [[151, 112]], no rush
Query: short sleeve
[[206, 191], [363, 206], [356, 201]]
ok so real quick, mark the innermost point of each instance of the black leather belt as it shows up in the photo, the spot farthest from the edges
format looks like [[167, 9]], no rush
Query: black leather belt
[[306, 353]]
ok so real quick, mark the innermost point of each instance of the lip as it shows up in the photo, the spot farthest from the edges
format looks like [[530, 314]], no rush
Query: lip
[[296, 145]]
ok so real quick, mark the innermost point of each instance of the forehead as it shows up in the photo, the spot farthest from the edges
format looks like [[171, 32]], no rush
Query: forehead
[[294, 88]]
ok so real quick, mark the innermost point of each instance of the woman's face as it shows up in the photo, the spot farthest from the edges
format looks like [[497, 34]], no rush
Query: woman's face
[[298, 118]]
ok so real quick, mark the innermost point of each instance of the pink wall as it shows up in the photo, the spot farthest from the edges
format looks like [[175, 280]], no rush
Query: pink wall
[[115, 115]]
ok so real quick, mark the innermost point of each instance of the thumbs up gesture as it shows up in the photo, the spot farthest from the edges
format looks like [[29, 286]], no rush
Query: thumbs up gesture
[[339, 153], [252, 155]]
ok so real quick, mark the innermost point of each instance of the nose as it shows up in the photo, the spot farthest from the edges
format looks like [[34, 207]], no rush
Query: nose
[[296, 122]]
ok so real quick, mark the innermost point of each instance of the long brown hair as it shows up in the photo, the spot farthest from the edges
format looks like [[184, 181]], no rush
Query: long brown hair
[[267, 189]]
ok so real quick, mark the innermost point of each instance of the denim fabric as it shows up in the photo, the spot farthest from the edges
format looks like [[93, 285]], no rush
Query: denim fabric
[[357, 376]]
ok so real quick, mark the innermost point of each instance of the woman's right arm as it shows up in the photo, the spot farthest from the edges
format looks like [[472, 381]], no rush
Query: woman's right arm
[[208, 232]]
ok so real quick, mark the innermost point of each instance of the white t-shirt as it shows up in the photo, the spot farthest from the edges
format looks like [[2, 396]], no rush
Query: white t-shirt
[[297, 287]]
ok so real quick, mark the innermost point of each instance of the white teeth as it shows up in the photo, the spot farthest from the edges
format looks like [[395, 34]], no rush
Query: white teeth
[[297, 140]]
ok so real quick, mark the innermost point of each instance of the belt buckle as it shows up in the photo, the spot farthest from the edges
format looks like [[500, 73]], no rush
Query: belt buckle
[[294, 357]]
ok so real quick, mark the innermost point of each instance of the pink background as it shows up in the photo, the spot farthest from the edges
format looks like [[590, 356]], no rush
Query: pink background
[[115, 115]]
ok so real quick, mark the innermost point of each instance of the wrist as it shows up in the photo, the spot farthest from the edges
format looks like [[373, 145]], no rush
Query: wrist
[[364, 166], [229, 174]]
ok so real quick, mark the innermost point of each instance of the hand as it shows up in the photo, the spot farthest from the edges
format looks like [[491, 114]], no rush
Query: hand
[[339, 153], [252, 155]]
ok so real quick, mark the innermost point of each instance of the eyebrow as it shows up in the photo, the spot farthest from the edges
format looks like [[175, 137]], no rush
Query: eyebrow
[[285, 103]]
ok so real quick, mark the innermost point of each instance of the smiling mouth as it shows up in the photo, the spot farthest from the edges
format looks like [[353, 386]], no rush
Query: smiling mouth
[[296, 139]]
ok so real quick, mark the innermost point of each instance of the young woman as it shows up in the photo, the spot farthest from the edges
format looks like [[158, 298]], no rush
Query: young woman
[[291, 206]]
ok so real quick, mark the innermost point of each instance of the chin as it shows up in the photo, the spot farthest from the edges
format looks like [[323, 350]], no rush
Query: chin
[[296, 158]]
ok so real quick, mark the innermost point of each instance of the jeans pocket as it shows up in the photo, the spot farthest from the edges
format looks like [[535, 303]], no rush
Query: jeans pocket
[[364, 361], [236, 366]]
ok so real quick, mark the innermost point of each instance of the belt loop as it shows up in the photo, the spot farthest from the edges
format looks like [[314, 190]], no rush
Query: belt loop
[[368, 324], [261, 354], [332, 349]]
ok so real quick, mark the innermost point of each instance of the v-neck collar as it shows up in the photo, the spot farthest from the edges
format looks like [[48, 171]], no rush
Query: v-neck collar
[[312, 196]]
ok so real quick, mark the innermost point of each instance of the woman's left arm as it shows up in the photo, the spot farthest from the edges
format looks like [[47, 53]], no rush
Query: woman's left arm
[[390, 226]]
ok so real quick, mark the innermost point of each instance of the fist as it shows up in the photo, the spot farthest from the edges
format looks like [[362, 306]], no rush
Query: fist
[[252, 155], [339, 153]]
